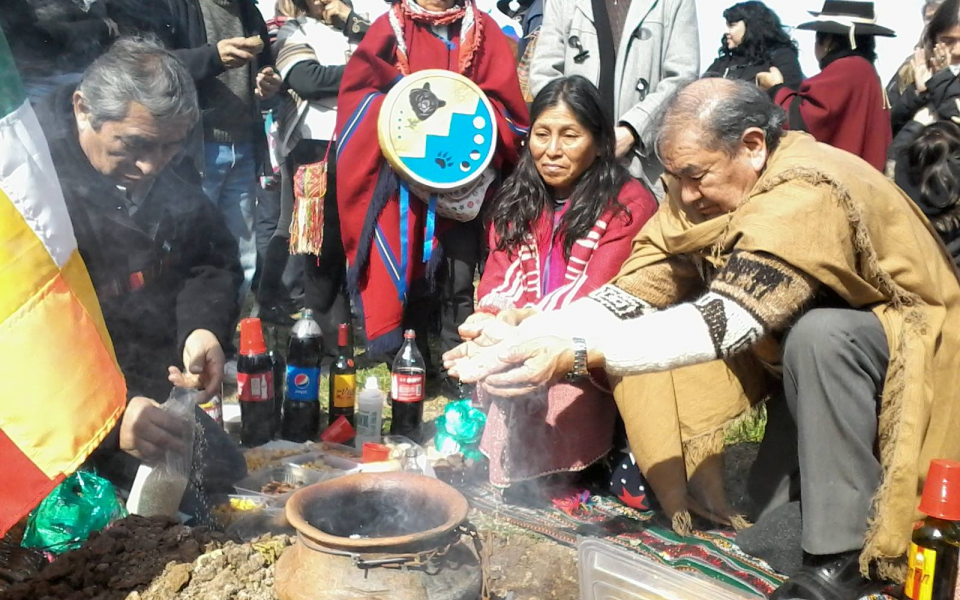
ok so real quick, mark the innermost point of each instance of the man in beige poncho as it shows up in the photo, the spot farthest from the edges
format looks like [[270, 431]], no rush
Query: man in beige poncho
[[778, 266]]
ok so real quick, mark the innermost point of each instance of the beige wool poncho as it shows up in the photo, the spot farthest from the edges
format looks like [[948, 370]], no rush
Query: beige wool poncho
[[838, 220]]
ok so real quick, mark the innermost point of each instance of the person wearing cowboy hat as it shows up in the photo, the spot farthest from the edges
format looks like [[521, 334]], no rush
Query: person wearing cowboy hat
[[845, 105]]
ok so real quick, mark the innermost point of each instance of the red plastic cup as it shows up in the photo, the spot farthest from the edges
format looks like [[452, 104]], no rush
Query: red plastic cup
[[941, 491], [251, 337], [340, 432], [375, 452]]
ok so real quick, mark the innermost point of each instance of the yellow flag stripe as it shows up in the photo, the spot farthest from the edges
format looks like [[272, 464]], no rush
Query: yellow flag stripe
[[63, 391], [25, 264], [75, 275]]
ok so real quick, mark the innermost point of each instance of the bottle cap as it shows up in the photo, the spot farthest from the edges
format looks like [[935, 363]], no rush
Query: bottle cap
[[307, 314], [372, 383], [251, 337], [409, 334], [941, 492], [343, 335]]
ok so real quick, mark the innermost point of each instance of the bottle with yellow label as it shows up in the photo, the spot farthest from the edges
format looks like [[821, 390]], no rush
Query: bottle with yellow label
[[935, 547], [343, 379]]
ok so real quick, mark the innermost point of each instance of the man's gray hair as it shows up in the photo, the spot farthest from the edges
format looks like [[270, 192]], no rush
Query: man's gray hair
[[142, 71], [721, 110]]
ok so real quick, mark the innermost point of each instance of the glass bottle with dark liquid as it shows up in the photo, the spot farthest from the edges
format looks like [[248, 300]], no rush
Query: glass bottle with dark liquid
[[407, 386], [935, 546], [254, 385], [343, 379]]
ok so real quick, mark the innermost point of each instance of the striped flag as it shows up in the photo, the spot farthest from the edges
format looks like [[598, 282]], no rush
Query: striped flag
[[61, 390]]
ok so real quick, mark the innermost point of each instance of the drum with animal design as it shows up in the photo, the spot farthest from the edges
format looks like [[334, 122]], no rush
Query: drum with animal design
[[437, 130]]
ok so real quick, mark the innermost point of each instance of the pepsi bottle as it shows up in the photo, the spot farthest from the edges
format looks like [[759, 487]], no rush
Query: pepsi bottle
[[301, 401]]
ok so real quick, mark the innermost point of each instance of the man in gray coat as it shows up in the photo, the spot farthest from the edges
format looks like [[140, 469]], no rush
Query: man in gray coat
[[637, 52]]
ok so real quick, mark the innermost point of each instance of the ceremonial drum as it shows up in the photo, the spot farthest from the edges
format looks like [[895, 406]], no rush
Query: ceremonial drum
[[438, 131]]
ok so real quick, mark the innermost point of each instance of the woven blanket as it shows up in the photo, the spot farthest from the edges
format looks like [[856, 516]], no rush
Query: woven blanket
[[712, 553]]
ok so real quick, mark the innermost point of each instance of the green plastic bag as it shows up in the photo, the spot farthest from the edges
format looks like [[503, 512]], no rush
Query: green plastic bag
[[82, 504], [459, 429]]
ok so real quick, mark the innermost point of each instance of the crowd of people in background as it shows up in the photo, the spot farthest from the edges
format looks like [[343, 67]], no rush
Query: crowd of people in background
[[250, 179]]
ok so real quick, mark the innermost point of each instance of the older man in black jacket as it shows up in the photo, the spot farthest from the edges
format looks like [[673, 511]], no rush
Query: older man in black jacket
[[163, 263]]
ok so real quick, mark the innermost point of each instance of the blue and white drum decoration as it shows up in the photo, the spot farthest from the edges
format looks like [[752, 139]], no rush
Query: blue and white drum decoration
[[438, 131]]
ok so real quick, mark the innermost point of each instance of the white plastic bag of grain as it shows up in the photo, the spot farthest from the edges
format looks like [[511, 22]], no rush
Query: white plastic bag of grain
[[158, 489]]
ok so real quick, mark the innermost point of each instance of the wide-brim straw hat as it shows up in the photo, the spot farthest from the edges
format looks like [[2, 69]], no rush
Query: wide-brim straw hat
[[847, 17]]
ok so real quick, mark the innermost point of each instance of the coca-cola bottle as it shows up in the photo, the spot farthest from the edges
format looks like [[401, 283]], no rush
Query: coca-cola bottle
[[301, 403], [254, 385], [407, 383]]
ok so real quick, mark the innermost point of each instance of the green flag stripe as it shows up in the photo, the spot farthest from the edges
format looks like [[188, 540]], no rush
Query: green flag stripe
[[11, 89]]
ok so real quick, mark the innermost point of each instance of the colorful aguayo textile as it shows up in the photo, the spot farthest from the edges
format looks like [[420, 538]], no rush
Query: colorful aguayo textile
[[711, 553], [63, 388]]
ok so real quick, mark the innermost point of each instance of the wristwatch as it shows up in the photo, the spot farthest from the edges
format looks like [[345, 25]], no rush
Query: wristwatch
[[579, 370]]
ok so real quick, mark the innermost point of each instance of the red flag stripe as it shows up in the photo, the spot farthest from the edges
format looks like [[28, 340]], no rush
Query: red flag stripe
[[19, 475]]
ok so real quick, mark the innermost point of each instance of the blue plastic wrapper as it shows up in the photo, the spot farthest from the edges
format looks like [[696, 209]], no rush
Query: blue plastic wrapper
[[82, 504], [459, 429]]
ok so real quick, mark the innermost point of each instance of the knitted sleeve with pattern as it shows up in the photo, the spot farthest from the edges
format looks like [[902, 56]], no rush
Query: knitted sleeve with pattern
[[754, 294]]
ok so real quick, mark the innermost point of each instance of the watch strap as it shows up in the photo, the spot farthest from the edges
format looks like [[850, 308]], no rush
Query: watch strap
[[579, 370]]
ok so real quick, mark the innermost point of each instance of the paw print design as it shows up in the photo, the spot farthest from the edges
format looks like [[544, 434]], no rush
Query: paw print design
[[444, 159]]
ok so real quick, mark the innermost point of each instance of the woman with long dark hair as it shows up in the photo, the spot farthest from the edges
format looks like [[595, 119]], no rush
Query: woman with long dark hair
[[559, 228], [929, 172], [755, 41]]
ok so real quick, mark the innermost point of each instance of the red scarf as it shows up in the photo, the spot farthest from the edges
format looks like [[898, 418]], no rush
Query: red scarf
[[470, 30], [367, 188]]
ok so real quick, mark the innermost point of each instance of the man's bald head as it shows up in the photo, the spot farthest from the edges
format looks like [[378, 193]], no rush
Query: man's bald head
[[720, 110]]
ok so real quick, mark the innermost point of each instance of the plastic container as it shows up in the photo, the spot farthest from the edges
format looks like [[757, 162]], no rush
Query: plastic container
[[369, 413], [348, 452], [611, 573], [334, 462], [288, 473], [399, 445]]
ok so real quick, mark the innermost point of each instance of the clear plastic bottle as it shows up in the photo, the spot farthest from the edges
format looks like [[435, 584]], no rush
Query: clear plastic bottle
[[369, 413], [411, 462]]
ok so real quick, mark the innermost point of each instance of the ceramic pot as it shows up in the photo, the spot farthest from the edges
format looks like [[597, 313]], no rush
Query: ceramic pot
[[379, 536]]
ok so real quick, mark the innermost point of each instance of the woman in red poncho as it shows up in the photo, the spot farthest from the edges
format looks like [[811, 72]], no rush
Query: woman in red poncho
[[561, 227], [413, 36], [845, 105]]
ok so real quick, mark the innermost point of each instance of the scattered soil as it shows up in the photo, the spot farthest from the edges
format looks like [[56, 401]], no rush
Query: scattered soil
[[529, 566], [122, 559], [233, 572]]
